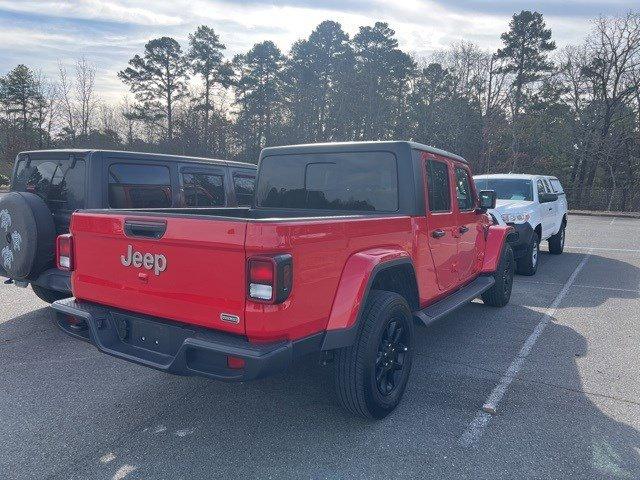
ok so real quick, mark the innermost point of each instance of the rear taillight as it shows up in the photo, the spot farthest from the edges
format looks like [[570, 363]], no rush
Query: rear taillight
[[270, 279], [64, 252]]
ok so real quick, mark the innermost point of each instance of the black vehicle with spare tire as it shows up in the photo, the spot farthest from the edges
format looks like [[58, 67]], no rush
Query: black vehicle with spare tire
[[48, 186]]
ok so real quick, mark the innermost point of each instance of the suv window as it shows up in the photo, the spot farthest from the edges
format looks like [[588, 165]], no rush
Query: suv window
[[463, 190], [365, 181], [540, 187], [244, 186], [203, 190], [139, 186], [60, 183], [438, 185]]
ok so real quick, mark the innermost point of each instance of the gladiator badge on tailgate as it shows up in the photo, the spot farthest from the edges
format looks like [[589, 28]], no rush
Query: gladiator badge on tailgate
[[148, 261]]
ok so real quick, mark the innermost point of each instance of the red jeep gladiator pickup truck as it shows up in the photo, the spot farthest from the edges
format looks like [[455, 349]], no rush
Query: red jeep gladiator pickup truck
[[346, 245]]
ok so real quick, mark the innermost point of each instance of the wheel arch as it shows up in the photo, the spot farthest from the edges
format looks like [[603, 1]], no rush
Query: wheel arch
[[538, 230], [391, 270]]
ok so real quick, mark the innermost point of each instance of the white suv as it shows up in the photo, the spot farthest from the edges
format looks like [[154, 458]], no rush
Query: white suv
[[536, 206]]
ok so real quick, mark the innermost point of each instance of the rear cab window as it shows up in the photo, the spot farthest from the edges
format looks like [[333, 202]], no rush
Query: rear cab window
[[133, 185], [59, 182], [352, 181], [557, 187]]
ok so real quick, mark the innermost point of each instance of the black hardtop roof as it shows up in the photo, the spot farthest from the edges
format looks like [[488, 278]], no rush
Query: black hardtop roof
[[128, 154], [356, 147]]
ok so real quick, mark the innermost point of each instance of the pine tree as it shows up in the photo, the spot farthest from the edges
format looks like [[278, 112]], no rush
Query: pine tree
[[158, 79], [206, 59], [525, 50], [258, 96], [20, 93]]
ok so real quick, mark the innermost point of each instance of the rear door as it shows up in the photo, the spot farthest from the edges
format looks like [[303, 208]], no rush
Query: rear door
[[193, 273], [470, 226], [442, 221]]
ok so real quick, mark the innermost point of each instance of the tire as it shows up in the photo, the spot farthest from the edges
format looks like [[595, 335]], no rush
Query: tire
[[556, 242], [367, 385], [48, 295], [500, 293], [528, 264], [27, 235]]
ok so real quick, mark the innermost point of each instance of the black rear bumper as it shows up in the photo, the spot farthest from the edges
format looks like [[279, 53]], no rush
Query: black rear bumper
[[52, 279], [177, 348]]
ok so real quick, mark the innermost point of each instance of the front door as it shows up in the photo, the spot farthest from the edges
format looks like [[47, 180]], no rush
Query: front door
[[441, 221], [470, 226]]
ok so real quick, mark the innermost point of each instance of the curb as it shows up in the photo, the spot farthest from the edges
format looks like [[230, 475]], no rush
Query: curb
[[605, 214]]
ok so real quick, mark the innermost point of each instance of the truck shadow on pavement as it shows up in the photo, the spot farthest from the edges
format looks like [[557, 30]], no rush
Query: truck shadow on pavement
[[289, 425]]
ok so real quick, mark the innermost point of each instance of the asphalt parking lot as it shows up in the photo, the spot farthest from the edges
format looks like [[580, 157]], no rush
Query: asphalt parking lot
[[560, 366]]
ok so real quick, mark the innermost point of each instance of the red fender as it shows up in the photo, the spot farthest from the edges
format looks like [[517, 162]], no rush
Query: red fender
[[355, 278], [496, 236]]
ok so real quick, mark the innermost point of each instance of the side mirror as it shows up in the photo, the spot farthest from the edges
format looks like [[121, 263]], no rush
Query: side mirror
[[487, 199], [547, 197]]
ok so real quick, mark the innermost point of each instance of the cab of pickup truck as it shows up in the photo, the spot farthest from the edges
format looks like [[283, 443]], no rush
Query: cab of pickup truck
[[344, 247]]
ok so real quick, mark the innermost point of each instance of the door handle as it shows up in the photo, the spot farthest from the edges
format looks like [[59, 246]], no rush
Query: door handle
[[463, 229], [439, 233]]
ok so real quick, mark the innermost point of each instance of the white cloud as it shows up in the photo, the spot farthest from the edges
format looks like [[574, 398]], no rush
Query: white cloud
[[39, 32], [143, 13]]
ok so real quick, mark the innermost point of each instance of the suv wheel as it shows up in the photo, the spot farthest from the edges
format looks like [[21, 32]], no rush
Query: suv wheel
[[528, 264], [500, 293], [48, 295], [556, 242], [372, 374]]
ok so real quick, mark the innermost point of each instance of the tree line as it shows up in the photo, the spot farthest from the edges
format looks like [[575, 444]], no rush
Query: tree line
[[526, 107]]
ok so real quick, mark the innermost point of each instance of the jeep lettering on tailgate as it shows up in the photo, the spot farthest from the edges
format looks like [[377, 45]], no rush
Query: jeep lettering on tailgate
[[155, 262]]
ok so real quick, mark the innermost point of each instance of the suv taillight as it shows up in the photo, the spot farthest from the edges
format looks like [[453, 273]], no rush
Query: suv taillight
[[270, 279], [64, 252]]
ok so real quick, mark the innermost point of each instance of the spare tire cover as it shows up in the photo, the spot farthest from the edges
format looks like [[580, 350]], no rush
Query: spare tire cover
[[27, 235]]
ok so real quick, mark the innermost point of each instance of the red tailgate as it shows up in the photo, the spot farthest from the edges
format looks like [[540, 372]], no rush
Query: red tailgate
[[194, 273]]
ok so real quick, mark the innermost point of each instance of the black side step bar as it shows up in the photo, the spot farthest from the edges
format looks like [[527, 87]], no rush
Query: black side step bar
[[454, 301]]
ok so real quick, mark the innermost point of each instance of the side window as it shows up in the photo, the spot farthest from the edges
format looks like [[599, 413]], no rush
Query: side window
[[244, 186], [540, 187], [203, 190], [139, 186], [463, 190], [557, 188], [548, 186], [438, 185]]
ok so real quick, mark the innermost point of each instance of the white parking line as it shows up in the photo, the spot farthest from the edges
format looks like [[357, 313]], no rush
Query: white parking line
[[627, 250], [478, 425], [578, 285]]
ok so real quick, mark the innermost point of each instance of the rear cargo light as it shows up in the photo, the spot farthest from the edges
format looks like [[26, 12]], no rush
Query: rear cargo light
[[64, 252], [270, 279]]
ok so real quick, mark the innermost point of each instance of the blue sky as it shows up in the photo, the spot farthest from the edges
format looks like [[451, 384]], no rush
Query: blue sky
[[41, 33]]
